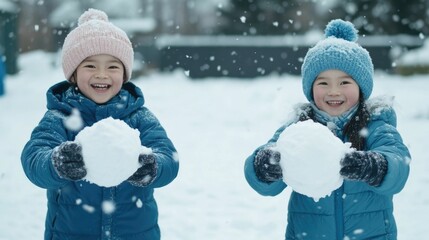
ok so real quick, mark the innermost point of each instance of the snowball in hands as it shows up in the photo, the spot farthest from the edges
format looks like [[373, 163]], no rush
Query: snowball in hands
[[110, 150], [310, 158]]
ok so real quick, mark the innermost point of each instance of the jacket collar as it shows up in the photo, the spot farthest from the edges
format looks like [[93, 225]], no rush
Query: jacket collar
[[64, 97]]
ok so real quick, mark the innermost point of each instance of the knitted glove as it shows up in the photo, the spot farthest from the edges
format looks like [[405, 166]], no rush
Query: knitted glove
[[266, 165], [146, 174], [369, 167], [68, 161]]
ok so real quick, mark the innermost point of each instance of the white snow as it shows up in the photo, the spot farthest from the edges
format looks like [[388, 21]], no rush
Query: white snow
[[108, 207], [215, 125], [310, 158], [110, 150], [73, 122], [416, 57], [8, 6]]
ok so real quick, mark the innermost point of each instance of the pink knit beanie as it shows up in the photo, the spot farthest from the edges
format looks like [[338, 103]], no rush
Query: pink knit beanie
[[96, 35]]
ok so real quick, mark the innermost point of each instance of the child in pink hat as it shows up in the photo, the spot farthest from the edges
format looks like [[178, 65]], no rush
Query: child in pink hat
[[97, 59]]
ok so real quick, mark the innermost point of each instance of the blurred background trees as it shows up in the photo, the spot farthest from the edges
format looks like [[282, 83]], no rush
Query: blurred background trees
[[270, 17], [27, 25], [274, 17], [387, 17], [226, 17]]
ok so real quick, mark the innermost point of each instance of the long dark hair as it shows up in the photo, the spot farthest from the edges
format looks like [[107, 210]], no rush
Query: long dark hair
[[359, 121]]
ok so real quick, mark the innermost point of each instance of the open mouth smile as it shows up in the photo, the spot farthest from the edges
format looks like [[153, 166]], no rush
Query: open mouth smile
[[334, 102], [99, 86]]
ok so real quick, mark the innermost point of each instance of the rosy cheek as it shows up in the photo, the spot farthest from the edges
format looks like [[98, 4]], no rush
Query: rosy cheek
[[317, 94]]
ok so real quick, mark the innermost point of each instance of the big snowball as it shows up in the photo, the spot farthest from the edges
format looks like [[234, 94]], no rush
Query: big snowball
[[310, 158], [110, 150]]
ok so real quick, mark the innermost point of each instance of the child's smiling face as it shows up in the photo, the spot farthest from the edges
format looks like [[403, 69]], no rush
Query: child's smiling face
[[100, 77], [335, 92]]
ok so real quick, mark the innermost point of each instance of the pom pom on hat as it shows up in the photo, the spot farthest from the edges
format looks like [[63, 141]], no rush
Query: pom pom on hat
[[96, 35], [340, 29], [92, 14], [338, 51]]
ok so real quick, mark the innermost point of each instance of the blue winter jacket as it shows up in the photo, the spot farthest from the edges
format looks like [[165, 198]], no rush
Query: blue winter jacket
[[75, 207], [356, 210]]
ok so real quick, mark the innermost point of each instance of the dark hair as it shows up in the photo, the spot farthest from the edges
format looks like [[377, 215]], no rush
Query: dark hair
[[357, 123]]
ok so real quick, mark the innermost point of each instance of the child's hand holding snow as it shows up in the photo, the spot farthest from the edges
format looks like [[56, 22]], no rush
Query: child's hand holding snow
[[370, 167], [146, 174], [267, 167], [68, 161]]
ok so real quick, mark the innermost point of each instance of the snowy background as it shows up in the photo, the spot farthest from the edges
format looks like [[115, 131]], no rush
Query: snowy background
[[215, 124]]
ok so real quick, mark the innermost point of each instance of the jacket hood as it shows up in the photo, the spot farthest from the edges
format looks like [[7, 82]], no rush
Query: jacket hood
[[381, 108], [334, 123], [64, 97]]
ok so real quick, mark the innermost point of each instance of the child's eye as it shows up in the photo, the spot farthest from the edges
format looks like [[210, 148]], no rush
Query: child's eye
[[88, 66], [113, 67], [345, 82], [322, 83]]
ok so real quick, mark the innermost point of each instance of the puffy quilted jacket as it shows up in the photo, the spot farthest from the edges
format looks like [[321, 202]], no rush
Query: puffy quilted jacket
[[356, 210], [75, 208]]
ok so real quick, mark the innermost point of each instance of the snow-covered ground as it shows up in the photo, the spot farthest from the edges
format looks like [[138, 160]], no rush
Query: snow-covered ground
[[215, 124]]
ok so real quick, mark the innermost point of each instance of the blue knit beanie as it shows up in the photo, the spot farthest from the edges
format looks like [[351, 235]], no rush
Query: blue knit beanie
[[338, 51]]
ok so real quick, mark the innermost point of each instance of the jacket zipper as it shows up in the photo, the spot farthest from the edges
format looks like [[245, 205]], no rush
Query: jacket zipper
[[339, 213]]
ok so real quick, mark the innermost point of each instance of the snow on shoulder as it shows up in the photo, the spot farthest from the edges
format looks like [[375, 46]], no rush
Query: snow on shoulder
[[310, 158], [378, 104], [110, 151]]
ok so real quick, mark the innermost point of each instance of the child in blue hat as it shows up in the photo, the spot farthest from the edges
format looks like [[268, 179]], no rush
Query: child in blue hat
[[337, 80]]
